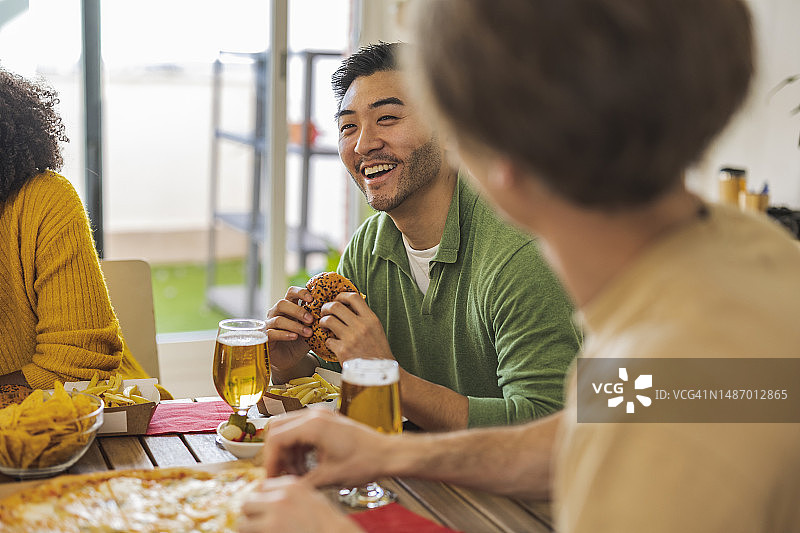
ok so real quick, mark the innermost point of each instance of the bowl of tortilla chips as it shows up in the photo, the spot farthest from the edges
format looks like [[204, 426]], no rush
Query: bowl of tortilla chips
[[47, 432]]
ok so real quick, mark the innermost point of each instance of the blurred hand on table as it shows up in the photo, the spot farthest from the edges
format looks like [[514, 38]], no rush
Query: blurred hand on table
[[347, 452], [289, 504]]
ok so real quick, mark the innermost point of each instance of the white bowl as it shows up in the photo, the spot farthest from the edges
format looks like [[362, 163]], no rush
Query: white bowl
[[243, 450]]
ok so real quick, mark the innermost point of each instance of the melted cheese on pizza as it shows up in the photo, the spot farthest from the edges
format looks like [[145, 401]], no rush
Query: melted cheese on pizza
[[163, 500]]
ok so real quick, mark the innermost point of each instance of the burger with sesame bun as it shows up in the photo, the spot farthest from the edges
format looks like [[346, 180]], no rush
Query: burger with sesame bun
[[324, 287]]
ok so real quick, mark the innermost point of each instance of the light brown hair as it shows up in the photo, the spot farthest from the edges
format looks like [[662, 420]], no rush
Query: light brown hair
[[606, 101]]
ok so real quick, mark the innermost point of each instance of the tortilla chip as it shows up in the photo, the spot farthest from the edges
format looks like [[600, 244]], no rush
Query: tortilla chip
[[60, 412], [33, 401], [83, 404], [33, 425], [85, 422], [44, 429], [33, 448], [62, 451], [4, 458], [65, 430], [9, 416], [60, 404], [15, 444]]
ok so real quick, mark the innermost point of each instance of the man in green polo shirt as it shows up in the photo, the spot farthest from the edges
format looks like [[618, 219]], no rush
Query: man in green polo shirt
[[465, 303]]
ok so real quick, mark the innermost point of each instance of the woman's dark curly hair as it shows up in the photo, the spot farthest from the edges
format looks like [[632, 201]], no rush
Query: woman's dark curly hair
[[30, 132]]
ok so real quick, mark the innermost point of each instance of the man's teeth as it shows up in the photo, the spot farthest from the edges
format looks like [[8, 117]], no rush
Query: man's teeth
[[378, 168]]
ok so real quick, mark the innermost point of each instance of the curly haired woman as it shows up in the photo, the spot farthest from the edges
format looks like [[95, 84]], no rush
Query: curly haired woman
[[56, 320]]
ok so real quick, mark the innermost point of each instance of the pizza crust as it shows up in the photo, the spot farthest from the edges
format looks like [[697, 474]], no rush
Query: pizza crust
[[160, 500]]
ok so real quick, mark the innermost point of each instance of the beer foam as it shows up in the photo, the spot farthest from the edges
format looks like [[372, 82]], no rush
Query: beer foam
[[237, 338], [370, 372]]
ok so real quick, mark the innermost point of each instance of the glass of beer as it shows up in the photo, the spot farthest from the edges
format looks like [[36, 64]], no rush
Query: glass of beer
[[241, 362], [370, 395]]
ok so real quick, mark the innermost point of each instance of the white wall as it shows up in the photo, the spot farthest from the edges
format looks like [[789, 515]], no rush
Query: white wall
[[763, 138], [380, 20]]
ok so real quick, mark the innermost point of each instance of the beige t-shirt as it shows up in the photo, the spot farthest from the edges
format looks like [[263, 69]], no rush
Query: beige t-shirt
[[727, 285]]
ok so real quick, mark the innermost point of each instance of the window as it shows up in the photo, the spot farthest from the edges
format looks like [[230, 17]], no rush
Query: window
[[157, 90]]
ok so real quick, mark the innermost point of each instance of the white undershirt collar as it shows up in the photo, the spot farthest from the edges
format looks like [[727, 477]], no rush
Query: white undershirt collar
[[419, 261]]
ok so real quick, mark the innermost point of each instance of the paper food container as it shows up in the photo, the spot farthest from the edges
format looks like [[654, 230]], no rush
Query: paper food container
[[274, 404], [130, 419]]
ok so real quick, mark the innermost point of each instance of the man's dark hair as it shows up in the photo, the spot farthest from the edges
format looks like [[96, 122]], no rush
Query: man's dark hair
[[366, 61], [605, 101], [30, 130]]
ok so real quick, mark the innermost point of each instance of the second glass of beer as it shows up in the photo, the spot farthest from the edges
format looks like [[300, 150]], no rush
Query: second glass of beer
[[370, 395], [241, 362]]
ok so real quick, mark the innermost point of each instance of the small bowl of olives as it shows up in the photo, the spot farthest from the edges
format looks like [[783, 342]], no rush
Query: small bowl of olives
[[243, 437]]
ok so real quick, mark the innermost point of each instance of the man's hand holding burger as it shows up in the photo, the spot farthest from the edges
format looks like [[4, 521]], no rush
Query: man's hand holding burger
[[331, 317], [328, 316], [357, 331], [288, 331]]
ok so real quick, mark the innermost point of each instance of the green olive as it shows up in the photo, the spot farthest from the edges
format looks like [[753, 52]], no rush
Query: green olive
[[239, 421]]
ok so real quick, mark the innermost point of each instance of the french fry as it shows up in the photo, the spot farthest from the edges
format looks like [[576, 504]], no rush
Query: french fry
[[324, 382], [303, 381], [300, 390], [97, 390], [308, 397], [114, 392], [139, 399], [310, 389], [117, 399]]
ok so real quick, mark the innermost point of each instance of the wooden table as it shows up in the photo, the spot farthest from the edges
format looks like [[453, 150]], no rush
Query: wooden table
[[458, 508]]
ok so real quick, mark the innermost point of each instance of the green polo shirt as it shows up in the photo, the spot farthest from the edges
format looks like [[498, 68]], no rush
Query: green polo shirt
[[495, 324]]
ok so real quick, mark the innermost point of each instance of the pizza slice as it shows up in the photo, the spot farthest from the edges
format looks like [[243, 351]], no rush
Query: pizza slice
[[182, 499], [160, 500], [66, 504]]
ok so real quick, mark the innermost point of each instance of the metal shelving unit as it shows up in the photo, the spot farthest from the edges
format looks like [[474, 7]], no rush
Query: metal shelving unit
[[238, 300], [308, 243], [244, 300]]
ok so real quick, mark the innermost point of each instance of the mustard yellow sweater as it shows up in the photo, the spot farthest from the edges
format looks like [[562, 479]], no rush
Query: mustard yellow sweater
[[56, 320]]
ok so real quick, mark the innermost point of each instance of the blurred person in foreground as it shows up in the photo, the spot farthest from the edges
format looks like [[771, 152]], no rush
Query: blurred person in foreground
[[467, 305], [577, 118], [56, 320]]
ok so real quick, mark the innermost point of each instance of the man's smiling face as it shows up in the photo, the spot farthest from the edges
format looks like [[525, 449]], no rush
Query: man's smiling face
[[390, 153]]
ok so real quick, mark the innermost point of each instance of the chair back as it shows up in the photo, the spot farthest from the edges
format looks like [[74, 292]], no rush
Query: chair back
[[130, 288]]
